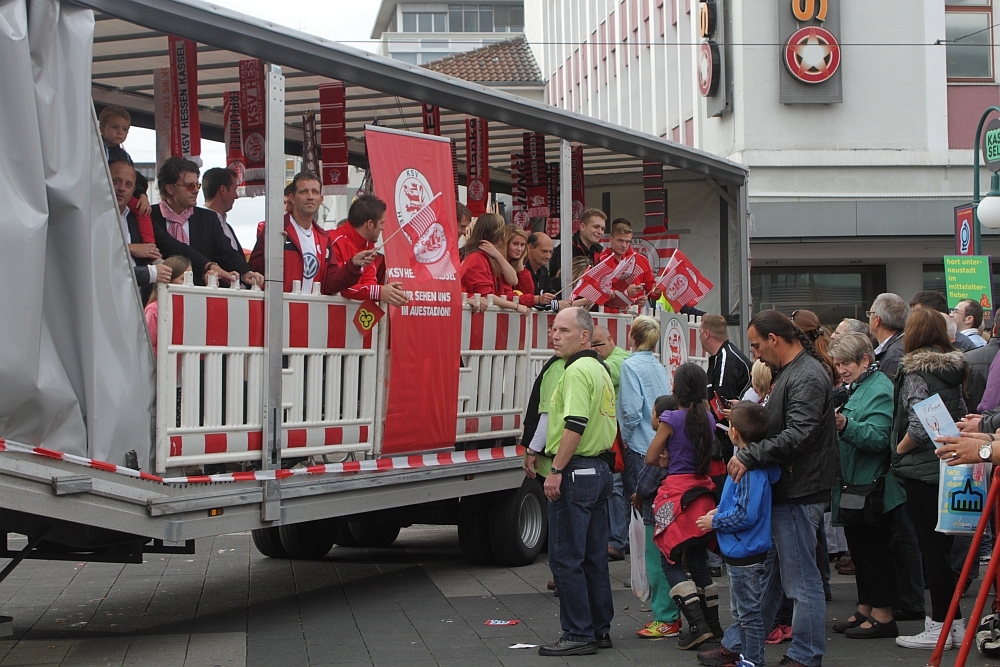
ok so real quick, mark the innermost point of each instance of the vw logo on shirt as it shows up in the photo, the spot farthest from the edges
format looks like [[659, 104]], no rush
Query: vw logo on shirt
[[310, 265]]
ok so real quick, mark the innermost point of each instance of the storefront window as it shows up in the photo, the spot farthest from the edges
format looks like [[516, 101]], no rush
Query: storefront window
[[833, 293]]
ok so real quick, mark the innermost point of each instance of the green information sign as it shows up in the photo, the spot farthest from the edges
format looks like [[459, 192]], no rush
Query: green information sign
[[968, 277], [991, 145]]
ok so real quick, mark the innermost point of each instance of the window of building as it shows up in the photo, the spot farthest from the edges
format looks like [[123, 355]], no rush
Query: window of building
[[481, 17], [425, 22], [406, 57], [969, 35], [833, 292]]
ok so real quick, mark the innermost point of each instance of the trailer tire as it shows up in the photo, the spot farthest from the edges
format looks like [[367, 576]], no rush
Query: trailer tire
[[372, 534], [344, 537], [474, 529], [310, 540], [268, 542], [518, 525]]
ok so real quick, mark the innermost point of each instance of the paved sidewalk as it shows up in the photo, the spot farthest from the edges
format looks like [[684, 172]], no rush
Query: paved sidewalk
[[415, 604]]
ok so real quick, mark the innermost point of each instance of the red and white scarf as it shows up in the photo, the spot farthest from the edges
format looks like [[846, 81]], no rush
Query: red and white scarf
[[518, 192], [431, 115], [333, 137], [233, 128], [654, 195], [253, 117], [477, 165], [536, 174], [310, 152], [185, 126], [176, 222], [579, 200]]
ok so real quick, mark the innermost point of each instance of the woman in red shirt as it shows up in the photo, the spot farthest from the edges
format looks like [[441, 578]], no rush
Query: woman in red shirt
[[515, 244], [484, 269]]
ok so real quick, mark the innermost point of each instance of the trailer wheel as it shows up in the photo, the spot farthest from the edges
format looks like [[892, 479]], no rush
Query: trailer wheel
[[268, 542], [474, 529], [371, 534], [344, 537], [518, 525], [310, 540]]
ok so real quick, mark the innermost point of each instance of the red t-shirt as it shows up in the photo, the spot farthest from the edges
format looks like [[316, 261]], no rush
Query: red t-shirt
[[346, 243], [526, 286], [478, 278]]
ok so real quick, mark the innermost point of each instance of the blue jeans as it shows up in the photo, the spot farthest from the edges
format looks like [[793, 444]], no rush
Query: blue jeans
[[747, 585], [793, 559], [618, 515], [578, 549]]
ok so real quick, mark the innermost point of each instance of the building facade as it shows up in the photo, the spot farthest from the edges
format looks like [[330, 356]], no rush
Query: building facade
[[856, 119]]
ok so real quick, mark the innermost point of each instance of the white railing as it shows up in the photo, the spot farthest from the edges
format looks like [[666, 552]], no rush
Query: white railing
[[210, 378]]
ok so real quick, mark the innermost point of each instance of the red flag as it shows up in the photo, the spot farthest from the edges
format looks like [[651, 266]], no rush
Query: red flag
[[477, 165], [597, 278], [333, 137], [536, 175], [431, 115], [654, 195], [579, 200], [253, 117], [310, 153], [518, 192], [425, 232], [234, 136], [185, 126], [367, 316], [682, 283]]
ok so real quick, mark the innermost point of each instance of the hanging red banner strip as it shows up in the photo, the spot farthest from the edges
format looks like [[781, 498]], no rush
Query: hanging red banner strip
[[477, 166], [185, 126], [454, 165], [233, 135], [310, 152], [579, 198], [253, 106], [333, 137], [536, 175], [553, 226], [654, 195], [518, 192], [432, 119]]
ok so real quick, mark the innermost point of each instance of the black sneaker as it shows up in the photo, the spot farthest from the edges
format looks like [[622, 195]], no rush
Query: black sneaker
[[567, 647], [604, 641]]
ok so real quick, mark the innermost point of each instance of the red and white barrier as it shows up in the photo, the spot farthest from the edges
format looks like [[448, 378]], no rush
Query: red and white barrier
[[210, 378], [493, 381], [370, 465]]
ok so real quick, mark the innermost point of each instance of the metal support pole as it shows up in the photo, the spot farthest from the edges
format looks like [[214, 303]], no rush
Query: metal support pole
[[566, 216], [977, 229], [274, 272], [972, 621]]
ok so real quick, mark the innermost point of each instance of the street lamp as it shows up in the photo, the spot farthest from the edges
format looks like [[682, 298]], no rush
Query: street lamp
[[987, 209]]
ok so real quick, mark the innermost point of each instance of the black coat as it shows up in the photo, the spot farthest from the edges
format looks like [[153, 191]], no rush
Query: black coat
[[207, 239]]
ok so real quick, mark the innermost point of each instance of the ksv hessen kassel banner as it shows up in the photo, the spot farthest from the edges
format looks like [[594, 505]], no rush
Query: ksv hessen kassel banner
[[413, 175]]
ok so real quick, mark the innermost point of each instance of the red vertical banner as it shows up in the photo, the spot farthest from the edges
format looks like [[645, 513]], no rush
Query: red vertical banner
[[253, 110], [411, 174], [477, 165], [432, 119], [310, 151], [553, 226], [185, 125], [234, 136], [454, 165], [535, 174], [518, 192], [579, 197], [333, 137], [654, 195], [963, 230]]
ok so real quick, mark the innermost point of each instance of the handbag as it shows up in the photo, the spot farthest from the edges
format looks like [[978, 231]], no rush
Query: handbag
[[861, 504]]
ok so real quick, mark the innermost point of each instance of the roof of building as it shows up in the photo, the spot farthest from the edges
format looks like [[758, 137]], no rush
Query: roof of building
[[510, 62]]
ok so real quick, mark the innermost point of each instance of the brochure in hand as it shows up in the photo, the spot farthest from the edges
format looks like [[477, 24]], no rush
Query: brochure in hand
[[935, 418]]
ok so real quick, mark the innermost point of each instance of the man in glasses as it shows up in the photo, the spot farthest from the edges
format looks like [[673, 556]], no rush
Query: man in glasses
[[199, 228], [886, 321]]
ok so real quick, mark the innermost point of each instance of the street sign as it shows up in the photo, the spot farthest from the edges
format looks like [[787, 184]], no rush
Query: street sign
[[963, 229], [991, 145], [968, 277]]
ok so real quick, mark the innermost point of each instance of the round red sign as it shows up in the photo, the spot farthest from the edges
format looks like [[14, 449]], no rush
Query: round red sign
[[812, 54], [708, 68]]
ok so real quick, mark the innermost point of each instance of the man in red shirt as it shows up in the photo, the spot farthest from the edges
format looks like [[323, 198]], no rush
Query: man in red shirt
[[308, 250], [620, 246], [364, 223]]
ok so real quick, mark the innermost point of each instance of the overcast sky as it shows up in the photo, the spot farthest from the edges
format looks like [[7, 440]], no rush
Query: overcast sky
[[348, 21]]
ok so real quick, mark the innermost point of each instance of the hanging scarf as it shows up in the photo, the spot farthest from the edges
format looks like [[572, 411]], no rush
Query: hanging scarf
[[253, 119], [536, 174], [233, 136], [185, 127], [310, 157], [477, 165], [333, 137], [518, 192], [579, 199], [654, 195]]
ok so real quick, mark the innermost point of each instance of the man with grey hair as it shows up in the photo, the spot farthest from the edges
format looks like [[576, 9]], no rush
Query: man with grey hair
[[580, 431], [886, 319], [849, 325]]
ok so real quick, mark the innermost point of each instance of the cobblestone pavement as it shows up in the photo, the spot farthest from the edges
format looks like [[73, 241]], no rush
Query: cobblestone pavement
[[415, 604]]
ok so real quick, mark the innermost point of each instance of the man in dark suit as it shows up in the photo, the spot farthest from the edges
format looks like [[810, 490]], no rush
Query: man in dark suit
[[218, 186], [146, 256], [199, 228]]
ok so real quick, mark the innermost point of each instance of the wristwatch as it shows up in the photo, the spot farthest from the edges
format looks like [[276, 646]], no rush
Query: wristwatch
[[555, 471], [986, 452]]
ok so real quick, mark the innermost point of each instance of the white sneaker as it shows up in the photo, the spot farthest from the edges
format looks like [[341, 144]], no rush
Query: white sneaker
[[957, 631], [929, 637]]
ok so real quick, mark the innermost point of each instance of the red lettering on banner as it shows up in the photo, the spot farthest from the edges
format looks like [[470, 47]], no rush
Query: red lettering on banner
[[298, 325], [177, 335], [412, 173], [216, 321], [336, 326], [215, 443]]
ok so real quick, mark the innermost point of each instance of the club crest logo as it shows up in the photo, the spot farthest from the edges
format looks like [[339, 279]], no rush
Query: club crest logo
[[413, 192], [431, 245], [253, 145], [677, 286], [476, 190]]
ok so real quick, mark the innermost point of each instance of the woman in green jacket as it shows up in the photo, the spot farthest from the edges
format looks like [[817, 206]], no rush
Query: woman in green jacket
[[930, 365], [863, 428]]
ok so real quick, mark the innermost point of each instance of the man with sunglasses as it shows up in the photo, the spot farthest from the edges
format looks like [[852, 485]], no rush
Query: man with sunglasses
[[199, 228]]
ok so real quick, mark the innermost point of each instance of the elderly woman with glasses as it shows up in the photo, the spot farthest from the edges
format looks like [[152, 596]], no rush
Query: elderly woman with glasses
[[863, 428]]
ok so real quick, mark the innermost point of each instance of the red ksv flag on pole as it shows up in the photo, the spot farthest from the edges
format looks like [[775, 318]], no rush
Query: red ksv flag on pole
[[607, 285], [682, 283], [412, 174]]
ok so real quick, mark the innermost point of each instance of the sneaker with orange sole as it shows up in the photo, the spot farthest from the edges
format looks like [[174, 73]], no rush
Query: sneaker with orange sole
[[658, 629]]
